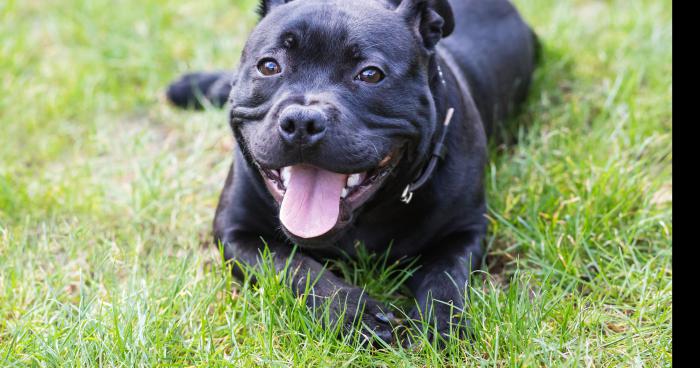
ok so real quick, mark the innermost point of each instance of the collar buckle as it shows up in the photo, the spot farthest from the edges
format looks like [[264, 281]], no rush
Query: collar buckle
[[407, 195]]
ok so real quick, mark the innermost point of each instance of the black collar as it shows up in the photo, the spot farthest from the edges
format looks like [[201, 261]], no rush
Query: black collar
[[438, 153], [439, 150]]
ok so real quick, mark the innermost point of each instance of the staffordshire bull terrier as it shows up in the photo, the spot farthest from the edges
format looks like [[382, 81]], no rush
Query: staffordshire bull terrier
[[367, 120]]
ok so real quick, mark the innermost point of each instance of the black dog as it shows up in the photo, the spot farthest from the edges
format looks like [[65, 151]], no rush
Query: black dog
[[362, 120]]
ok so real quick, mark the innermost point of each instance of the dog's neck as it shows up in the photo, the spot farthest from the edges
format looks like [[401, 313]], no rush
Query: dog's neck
[[443, 114]]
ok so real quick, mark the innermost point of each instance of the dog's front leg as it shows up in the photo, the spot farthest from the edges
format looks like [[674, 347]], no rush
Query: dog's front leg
[[344, 301], [440, 283]]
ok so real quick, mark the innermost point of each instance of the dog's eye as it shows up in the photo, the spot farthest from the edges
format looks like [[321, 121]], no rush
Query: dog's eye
[[269, 67], [370, 75]]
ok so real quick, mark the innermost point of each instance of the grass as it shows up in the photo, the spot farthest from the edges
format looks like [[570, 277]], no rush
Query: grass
[[107, 196]]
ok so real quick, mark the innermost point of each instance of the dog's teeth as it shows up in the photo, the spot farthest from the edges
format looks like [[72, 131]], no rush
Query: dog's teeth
[[285, 174], [344, 193], [354, 180]]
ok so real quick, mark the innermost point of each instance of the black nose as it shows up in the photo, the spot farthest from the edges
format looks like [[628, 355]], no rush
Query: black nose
[[302, 125]]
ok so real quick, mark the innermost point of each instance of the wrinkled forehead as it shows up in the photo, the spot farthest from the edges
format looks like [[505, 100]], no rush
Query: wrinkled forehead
[[336, 27]]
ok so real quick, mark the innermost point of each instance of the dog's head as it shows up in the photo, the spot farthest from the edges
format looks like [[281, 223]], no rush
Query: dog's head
[[329, 98]]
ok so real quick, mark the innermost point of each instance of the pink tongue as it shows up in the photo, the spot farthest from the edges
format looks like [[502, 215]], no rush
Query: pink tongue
[[311, 204]]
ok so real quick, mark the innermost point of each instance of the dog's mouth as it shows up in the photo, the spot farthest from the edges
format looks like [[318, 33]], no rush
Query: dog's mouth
[[315, 202]]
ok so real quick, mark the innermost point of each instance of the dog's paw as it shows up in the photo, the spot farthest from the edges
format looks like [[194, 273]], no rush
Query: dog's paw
[[367, 317], [377, 321], [441, 323]]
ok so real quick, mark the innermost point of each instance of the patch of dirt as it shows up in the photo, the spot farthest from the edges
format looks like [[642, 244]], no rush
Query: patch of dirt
[[500, 262]]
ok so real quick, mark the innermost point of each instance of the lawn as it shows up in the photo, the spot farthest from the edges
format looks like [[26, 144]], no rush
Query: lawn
[[107, 195]]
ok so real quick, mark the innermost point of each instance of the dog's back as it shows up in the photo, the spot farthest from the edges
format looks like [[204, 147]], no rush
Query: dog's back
[[497, 52]]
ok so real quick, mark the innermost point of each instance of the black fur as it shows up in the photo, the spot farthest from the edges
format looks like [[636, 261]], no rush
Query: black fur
[[489, 47]]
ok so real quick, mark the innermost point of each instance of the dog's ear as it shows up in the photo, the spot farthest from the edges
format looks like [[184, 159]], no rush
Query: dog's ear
[[266, 5], [433, 19]]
